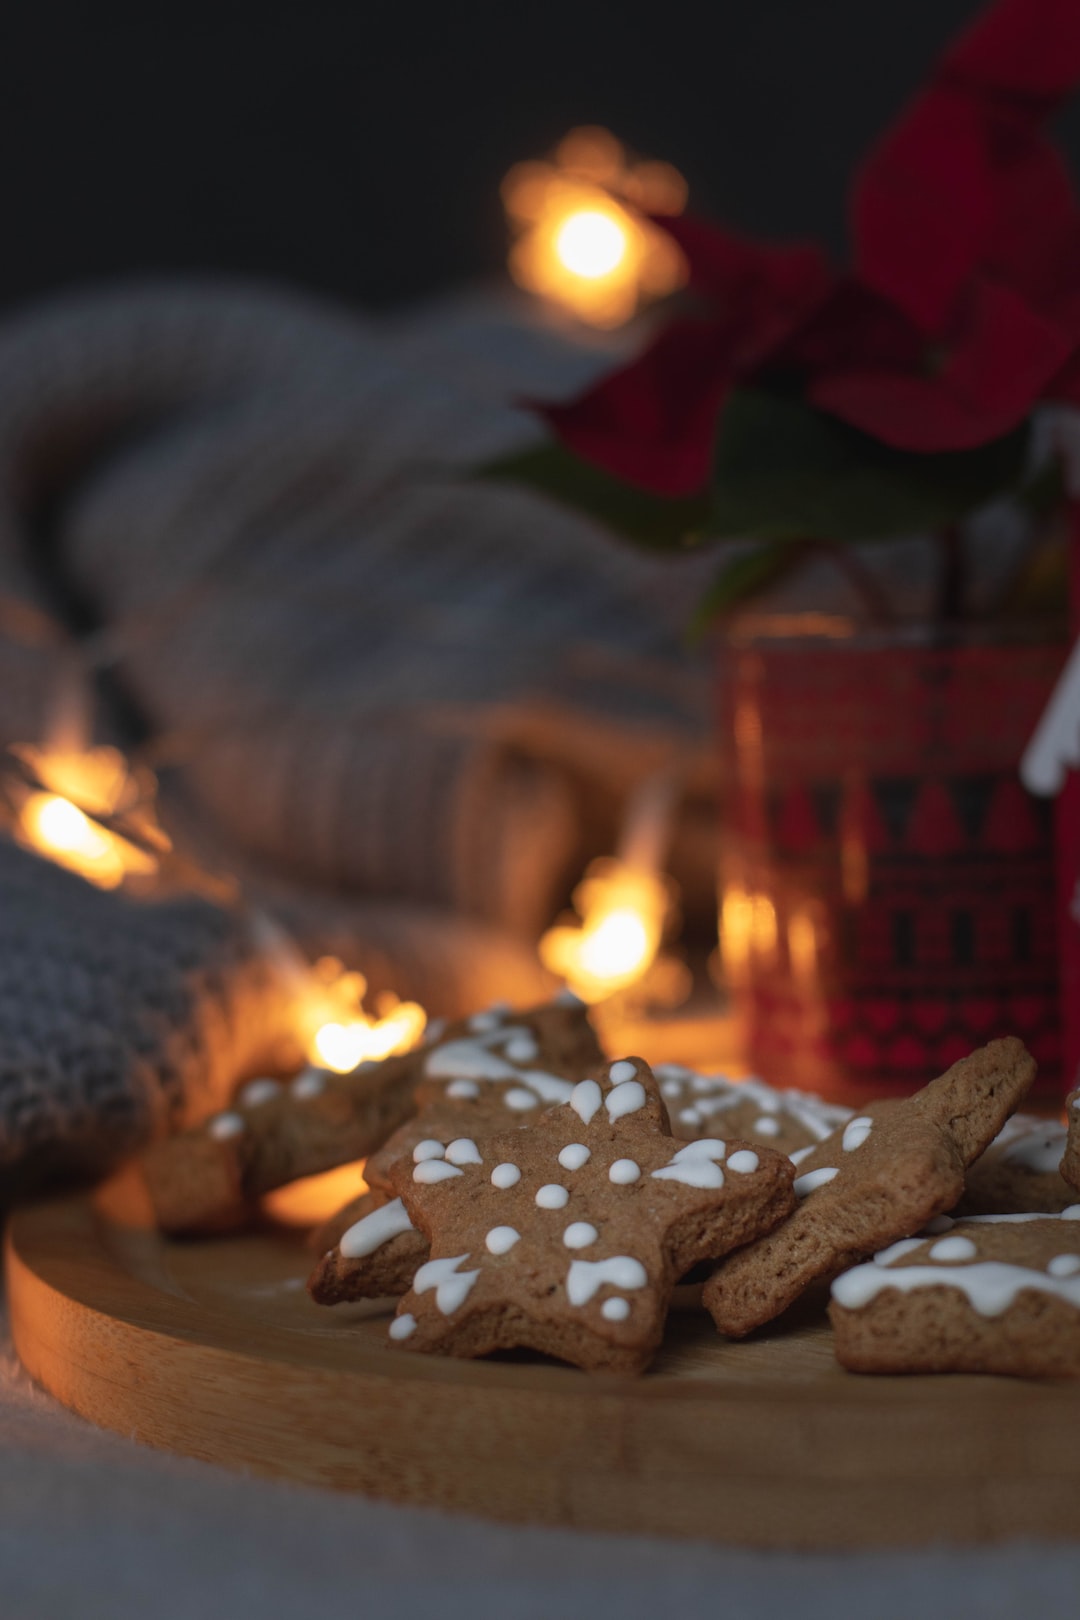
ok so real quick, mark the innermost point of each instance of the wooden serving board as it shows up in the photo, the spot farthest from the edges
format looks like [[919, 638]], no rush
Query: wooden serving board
[[214, 1350]]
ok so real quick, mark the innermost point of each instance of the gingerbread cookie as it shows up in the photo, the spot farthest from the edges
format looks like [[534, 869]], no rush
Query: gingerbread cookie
[[1020, 1172], [567, 1236], [372, 1251], [793, 1122], [882, 1177], [991, 1294], [1070, 1163], [496, 1070], [207, 1179]]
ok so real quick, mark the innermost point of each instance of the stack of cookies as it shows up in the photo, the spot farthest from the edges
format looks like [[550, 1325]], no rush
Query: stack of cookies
[[526, 1192]]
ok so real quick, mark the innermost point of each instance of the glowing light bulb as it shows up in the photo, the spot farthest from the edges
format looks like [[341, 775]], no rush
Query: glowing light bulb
[[591, 243]]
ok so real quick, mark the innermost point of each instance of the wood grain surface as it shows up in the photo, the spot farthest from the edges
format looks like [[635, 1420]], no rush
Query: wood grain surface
[[214, 1350]]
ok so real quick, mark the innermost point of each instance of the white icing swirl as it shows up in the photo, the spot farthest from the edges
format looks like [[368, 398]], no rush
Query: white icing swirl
[[375, 1229]]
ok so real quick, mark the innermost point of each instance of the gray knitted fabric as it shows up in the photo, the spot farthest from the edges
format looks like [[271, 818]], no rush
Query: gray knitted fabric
[[404, 705], [116, 1018]]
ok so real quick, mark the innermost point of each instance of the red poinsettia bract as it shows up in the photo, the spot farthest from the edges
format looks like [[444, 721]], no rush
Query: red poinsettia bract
[[962, 308]]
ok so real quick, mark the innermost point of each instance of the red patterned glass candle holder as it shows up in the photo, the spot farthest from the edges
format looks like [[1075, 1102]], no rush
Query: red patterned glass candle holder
[[887, 885]]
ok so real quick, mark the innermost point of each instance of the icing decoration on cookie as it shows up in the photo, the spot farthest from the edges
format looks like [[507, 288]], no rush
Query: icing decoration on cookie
[[519, 1099], [767, 1125], [695, 1164], [501, 1239], [574, 1155], [706, 1095], [309, 1084], [623, 1172], [585, 1099], [451, 1285], [522, 1049], [476, 1060], [482, 1023], [990, 1286], [552, 1196], [505, 1176], [463, 1090], [627, 1097], [463, 1151], [1064, 1265], [953, 1248], [744, 1161], [615, 1309], [856, 1132], [586, 1277], [813, 1179], [621, 1071], [429, 1148], [579, 1235], [224, 1126], [257, 1092], [432, 1170], [375, 1229], [402, 1326]]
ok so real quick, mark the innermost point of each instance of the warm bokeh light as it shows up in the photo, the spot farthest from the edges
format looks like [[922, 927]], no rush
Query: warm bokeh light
[[339, 1034], [583, 237], [82, 784], [622, 910], [314, 1199]]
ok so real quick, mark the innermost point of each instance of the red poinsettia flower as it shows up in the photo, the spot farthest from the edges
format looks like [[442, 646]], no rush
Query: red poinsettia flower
[[961, 311]]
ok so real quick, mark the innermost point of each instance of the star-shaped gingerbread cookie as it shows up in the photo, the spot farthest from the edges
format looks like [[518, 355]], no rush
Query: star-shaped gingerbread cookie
[[568, 1236], [880, 1178]]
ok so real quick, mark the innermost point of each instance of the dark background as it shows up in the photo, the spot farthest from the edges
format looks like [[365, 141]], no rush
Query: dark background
[[357, 147]]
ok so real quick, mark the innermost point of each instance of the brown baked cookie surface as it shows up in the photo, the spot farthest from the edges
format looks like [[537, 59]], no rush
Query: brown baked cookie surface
[[992, 1294], [207, 1179], [792, 1122], [492, 1071], [374, 1252], [882, 1177], [567, 1236], [1070, 1163], [1020, 1172]]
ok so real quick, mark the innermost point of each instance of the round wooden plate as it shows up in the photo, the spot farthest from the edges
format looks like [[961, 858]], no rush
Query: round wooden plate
[[214, 1350]]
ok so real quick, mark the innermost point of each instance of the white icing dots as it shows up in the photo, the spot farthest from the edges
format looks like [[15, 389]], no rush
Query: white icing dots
[[767, 1125], [953, 1248], [403, 1326], [552, 1196], [257, 1092], [615, 1309], [627, 1098], [375, 1229], [482, 1023], [813, 1179], [519, 1099], [579, 1235], [224, 1126], [430, 1171], [990, 1286], [585, 1277], [451, 1285], [464, 1151], [744, 1162], [695, 1164], [505, 1176], [427, 1149], [522, 1048], [501, 1239], [623, 1172], [802, 1153], [856, 1132], [574, 1155], [621, 1071], [463, 1090], [1064, 1265], [309, 1084], [691, 1116], [585, 1099]]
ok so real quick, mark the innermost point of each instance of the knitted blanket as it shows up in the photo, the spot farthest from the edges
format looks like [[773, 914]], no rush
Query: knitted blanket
[[403, 704]]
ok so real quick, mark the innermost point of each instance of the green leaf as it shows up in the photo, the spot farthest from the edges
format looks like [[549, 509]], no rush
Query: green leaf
[[741, 578], [784, 470], [647, 520]]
